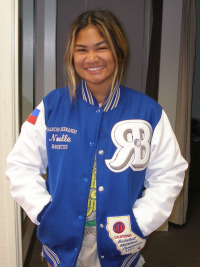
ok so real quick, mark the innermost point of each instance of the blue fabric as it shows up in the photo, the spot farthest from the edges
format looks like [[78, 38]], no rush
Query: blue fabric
[[39, 217], [71, 129]]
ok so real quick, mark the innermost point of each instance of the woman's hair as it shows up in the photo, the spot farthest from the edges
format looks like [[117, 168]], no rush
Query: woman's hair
[[110, 28]]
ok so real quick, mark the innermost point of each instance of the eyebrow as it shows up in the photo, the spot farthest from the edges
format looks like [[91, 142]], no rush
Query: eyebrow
[[80, 45]]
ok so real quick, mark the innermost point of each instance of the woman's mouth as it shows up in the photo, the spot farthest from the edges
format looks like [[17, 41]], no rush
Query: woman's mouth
[[95, 69]]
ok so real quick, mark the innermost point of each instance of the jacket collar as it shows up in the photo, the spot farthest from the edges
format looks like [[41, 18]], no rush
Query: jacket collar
[[109, 105]]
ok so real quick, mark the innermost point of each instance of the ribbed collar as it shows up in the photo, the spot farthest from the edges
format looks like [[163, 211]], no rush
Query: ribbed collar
[[109, 105]]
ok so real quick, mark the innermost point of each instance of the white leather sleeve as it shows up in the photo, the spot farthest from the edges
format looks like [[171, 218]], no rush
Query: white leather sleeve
[[26, 164], [164, 179]]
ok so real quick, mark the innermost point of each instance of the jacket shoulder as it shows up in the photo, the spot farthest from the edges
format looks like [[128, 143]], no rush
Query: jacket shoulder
[[56, 103], [141, 105], [139, 97], [56, 95]]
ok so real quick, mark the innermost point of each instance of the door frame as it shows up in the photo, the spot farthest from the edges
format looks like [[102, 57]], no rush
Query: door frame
[[10, 220]]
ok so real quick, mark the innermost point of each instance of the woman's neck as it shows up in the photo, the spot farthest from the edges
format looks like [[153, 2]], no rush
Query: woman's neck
[[99, 92]]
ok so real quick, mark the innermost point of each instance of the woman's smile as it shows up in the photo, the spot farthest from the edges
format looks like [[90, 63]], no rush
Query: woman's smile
[[95, 69]]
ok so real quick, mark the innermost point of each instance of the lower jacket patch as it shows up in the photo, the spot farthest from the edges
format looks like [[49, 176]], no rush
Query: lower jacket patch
[[119, 229]]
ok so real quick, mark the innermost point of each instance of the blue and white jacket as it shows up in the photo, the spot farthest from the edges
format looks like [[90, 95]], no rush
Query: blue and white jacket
[[140, 172]]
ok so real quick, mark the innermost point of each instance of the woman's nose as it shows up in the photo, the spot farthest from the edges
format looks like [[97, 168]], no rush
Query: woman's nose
[[92, 56]]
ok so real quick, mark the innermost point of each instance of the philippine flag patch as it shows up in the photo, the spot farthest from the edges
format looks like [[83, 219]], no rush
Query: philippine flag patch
[[33, 117]]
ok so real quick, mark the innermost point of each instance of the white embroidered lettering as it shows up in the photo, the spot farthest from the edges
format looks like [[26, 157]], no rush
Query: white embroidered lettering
[[63, 138], [59, 146], [61, 129], [132, 139]]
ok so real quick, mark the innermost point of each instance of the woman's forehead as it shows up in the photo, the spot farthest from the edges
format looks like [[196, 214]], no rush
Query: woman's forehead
[[90, 34]]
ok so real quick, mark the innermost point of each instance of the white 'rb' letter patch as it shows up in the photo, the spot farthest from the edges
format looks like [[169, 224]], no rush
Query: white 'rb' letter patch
[[132, 139]]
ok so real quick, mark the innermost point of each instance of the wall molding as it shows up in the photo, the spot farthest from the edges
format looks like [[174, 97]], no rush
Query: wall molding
[[10, 219]]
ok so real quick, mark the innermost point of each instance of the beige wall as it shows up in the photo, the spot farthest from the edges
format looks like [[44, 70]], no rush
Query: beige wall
[[10, 234]]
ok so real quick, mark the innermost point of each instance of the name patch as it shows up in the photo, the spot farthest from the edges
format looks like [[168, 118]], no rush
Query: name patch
[[59, 137]]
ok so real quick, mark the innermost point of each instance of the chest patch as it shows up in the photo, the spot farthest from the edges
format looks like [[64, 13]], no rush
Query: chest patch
[[119, 229], [59, 138], [132, 139]]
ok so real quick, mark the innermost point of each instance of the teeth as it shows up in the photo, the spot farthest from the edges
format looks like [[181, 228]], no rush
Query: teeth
[[94, 69]]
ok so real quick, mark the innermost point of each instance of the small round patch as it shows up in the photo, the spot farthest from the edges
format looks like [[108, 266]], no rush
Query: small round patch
[[137, 142], [118, 227]]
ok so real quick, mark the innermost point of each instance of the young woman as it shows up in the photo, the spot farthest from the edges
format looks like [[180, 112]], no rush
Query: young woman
[[114, 168]]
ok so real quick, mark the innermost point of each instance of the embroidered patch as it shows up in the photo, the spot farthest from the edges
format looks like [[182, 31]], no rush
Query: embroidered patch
[[132, 139], [119, 229], [60, 137], [33, 117]]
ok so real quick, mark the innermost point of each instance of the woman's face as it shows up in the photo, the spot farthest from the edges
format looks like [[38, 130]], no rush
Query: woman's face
[[93, 59]]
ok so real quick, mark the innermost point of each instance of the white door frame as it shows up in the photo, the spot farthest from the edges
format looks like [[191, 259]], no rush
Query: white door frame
[[10, 219]]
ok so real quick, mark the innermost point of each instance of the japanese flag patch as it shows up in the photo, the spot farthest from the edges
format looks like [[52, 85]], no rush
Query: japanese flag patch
[[33, 117]]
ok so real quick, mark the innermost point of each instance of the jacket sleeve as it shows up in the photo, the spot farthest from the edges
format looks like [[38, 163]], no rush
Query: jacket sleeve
[[163, 181], [26, 164]]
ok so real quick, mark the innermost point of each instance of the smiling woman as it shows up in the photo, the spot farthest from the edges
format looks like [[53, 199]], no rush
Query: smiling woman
[[94, 62], [114, 167], [97, 40]]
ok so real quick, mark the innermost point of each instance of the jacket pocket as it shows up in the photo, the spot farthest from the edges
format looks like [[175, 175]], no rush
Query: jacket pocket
[[121, 231], [51, 256], [40, 215]]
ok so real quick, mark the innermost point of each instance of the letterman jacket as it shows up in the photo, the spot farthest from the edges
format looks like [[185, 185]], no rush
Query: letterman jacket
[[140, 172]]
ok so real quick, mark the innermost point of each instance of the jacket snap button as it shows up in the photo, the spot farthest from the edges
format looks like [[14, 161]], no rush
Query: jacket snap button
[[80, 218], [101, 188], [101, 152], [98, 111], [101, 225], [91, 144], [102, 257]]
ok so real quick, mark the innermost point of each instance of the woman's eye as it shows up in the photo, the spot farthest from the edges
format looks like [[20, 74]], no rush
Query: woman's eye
[[101, 48], [81, 50]]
